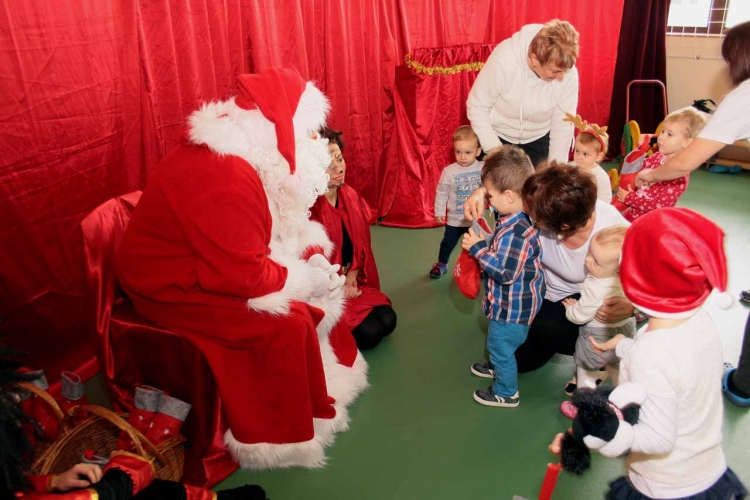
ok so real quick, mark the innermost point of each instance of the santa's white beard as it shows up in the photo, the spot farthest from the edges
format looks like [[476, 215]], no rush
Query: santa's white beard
[[291, 207]]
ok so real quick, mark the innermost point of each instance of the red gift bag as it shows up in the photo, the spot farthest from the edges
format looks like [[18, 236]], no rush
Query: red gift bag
[[467, 272]]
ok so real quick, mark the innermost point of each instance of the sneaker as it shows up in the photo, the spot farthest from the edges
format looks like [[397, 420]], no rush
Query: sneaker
[[571, 386], [601, 376], [732, 397], [438, 270], [745, 296], [488, 398], [569, 410], [483, 370]]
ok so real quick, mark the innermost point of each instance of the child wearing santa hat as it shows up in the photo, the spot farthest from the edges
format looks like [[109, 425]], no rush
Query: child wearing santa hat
[[672, 260]]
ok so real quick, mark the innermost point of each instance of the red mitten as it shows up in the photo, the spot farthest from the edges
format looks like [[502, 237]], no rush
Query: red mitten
[[168, 420], [467, 271], [145, 405]]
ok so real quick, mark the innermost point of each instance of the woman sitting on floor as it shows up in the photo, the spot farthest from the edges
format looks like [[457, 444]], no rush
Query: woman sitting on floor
[[347, 218]]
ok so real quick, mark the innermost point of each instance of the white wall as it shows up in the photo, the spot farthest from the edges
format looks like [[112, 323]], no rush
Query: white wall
[[695, 70]]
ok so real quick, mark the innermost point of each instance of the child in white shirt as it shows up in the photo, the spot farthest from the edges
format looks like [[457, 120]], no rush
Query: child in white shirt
[[591, 144], [672, 259], [457, 182], [602, 281]]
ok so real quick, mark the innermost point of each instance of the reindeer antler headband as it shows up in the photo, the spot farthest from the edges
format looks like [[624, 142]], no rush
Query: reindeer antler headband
[[599, 132]]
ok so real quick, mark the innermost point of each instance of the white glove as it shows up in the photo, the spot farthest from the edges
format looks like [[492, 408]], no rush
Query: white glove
[[330, 280]]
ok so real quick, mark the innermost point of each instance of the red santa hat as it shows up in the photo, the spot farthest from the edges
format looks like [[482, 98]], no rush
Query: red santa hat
[[672, 258], [275, 92]]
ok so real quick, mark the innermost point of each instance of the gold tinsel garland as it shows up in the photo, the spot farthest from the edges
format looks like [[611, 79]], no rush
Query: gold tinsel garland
[[440, 70]]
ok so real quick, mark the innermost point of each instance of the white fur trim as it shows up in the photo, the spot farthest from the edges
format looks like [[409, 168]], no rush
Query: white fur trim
[[298, 286], [260, 456], [314, 235], [663, 315], [721, 299], [628, 393], [311, 112]]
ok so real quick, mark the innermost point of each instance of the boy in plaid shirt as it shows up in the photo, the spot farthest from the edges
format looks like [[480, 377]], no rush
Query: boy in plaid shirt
[[515, 281]]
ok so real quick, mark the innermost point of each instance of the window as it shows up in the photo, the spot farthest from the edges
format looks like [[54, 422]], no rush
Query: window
[[706, 17]]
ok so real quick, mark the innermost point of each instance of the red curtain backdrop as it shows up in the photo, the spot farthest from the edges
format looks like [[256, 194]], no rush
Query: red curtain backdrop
[[95, 92]]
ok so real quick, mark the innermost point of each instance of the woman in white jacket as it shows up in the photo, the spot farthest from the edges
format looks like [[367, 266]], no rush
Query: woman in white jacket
[[525, 88]]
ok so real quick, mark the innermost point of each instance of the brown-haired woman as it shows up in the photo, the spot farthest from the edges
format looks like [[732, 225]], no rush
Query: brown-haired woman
[[525, 88], [346, 219], [729, 123], [562, 202]]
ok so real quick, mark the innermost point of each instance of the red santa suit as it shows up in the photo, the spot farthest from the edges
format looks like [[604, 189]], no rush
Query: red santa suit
[[213, 253], [658, 195]]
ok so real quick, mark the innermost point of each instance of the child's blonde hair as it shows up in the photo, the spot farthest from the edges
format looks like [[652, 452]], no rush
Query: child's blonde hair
[[589, 139], [508, 169], [611, 237], [693, 119], [465, 133]]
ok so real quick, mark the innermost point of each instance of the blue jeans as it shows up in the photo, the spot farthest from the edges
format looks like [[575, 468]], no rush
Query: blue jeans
[[502, 341]]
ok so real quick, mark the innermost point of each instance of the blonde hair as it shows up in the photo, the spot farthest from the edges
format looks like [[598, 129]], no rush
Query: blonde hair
[[693, 119], [556, 43], [611, 237], [589, 139], [464, 133]]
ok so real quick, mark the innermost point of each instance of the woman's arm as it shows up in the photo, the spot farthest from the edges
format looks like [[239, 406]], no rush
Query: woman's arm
[[682, 163], [560, 131], [474, 204]]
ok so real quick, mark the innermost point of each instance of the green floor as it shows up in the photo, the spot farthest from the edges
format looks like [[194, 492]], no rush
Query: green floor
[[416, 433]]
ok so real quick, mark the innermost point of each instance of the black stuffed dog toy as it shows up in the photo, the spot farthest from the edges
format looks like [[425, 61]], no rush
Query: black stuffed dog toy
[[604, 422]]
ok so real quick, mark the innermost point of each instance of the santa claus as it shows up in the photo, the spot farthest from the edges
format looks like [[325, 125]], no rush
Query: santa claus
[[220, 250]]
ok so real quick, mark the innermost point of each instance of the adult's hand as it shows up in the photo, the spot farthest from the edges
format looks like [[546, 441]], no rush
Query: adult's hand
[[614, 309], [474, 205], [327, 280], [73, 478], [645, 178]]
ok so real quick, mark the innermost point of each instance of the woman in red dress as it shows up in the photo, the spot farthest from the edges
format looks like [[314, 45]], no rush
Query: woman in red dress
[[346, 218]]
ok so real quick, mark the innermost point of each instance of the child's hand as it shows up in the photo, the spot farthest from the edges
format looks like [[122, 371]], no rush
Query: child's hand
[[351, 291], [555, 446], [440, 220], [609, 345], [622, 193], [470, 239], [569, 302]]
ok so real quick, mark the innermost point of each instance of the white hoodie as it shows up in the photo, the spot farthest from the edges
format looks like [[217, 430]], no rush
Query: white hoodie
[[510, 101]]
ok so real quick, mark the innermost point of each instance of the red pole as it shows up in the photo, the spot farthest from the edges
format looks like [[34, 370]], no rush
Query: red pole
[[550, 480]]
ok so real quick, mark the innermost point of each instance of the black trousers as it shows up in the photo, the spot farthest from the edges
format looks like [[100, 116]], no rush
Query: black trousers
[[450, 238], [378, 324], [550, 333], [537, 150], [741, 376]]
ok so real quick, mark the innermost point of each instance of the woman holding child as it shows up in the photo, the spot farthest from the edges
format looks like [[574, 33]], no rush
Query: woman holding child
[[729, 123], [562, 202], [346, 219]]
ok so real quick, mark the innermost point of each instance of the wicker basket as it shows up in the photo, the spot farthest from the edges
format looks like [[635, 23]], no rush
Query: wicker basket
[[41, 445], [99, 431]]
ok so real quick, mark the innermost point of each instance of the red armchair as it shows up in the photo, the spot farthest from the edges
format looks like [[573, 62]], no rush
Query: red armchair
[[133, 350]]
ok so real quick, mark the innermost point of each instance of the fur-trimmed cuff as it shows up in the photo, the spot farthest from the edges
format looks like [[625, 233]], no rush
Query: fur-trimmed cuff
[[298, 287], [314, 235], [259, 456]]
